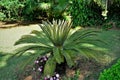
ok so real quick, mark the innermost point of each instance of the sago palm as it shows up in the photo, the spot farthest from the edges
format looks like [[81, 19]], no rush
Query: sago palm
[[61, 43]]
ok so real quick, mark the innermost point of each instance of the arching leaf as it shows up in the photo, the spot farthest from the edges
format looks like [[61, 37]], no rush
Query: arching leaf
[[50, 66]]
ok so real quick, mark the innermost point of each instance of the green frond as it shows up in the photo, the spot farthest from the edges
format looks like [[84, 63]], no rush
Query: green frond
[[57, 55], [72, 53], [79, 52], [28, 60], [37, 33], [37, 38], [31, 57], [94, 53], [81, 34], [68, 58], [47, 29], [57, 31], [28, 39], [85, 43], [23, 49], [50, 67]]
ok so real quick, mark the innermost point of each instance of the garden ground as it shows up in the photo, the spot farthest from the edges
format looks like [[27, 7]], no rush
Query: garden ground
[[9, 67]]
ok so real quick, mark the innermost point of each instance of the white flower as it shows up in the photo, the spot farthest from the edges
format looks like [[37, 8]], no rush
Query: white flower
[[36, 61], [54, 77], [57, 75], [39, 69]]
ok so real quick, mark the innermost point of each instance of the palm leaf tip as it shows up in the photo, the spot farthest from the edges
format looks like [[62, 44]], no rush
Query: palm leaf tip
[[56, 31]]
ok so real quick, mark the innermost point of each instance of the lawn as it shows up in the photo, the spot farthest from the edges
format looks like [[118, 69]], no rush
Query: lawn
[[9, 67], [62, 51]]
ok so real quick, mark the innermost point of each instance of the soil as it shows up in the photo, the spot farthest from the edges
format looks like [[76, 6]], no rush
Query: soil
[[89, 70], [10, 24]]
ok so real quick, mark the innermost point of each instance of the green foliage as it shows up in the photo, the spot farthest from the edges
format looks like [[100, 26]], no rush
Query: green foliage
[[11, 8], [82, 12], [2, 16], [114, 9], [55, 40], [50, 66], [56, 9], [114, 12], [107, 26], [112, 73], [85, 13], [31, 10], [34, 9]]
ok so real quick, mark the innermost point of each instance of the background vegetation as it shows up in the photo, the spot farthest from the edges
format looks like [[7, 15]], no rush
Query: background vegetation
[[111, 73], [81, 12]]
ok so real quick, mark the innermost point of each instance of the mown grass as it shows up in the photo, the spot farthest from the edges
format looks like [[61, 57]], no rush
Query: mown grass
[[112, 37], [9, 67]]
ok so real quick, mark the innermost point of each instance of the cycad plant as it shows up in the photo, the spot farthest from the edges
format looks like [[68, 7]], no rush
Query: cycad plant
[[61, 44]]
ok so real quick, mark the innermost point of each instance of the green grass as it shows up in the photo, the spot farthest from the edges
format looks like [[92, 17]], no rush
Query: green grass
[[112, 37], [9, 67]]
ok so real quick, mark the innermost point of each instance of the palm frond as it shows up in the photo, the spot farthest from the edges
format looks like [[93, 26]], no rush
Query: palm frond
[[38, 38], [23, 49], [68, 58], [50, 66], [56, 32], [57, 55], [85, 43], [80, 34], [62, 44]]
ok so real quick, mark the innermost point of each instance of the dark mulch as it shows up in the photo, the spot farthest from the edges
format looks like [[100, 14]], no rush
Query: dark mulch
[[89, 70]]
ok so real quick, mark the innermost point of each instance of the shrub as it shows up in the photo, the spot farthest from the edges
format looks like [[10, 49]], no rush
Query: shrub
[[61, 44], [34, 9], [114, 10], [85, 13], [11, 8], [112, 73], [2, 16]]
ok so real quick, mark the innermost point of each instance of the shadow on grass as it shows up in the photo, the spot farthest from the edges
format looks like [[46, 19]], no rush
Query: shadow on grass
[[112, 37], [10, 68]]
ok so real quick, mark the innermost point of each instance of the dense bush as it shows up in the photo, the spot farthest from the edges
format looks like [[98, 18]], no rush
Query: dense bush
[[113, 14], [2, 16], [12, 9], [33, 9], [85, 13], [81, 12], [114, 10], [112, 73]]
